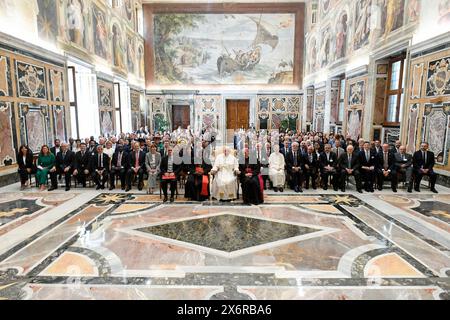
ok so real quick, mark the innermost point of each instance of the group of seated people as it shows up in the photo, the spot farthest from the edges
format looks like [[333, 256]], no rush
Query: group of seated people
[[260, 160]]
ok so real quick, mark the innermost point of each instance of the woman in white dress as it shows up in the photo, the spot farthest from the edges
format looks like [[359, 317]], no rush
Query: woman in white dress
[[276, 169], [225, 170]]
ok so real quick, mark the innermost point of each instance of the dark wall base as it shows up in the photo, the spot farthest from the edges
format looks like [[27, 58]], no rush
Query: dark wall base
[[443, 180], [9, 178]]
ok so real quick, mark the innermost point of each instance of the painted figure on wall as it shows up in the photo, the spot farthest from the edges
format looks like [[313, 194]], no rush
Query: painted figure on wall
[[413, 11], [325, 49], [444, 12], [393, 11], [117, 47], [47, 20], [131, 54], [312, 56], [100, 33], [128, 6], [75, 22], [141, 62], [341, 36], [362, 24]]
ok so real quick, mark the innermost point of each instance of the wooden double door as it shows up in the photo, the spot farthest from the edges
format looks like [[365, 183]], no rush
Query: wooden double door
[[181, 116], [238, 114]]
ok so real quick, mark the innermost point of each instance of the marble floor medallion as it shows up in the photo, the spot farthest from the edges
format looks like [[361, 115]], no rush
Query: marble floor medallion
[[230, 233], [309, 246]]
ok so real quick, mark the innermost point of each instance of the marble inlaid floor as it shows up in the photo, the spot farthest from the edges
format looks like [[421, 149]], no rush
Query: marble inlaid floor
[[86, 244]]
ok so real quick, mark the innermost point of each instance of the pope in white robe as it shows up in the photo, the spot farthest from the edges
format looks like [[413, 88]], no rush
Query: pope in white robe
[[225, 168], [276, 168]]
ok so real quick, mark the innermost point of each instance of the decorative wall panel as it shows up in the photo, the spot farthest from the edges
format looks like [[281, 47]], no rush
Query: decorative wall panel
[[135, 100], [59, 122], [31, 81], [5, 77], [309, 104], [7, 149], [29, 84], [106, 107], [207, 111], [56, 85], [279, 112], [354, 106], [319, 109], [436, 128], [429, 102], [413, 121], [334, 102], [36, 124], [416, 83], [438, 78]]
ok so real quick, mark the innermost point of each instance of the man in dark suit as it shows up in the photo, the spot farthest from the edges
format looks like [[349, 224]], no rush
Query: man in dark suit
[[310, 167], [294, 164], [82, 164], [328, 165], [386, 168], [119, 166], [396, 147], [368, 161], [57, 148], [348, 165], [423, 164], [165, 149], [92, 147], [100, 167], [403, 166], [65, 161], [169, 173], [136, 165]]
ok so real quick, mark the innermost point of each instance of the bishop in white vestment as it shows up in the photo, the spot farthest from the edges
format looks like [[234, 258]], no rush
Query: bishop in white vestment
[[276, 169]]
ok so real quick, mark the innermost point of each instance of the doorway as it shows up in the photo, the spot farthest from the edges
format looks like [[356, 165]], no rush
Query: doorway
[[238, 114], [181, 116]]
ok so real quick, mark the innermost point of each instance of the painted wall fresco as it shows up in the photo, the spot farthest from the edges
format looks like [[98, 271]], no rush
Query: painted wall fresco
[[87, 29], [359, 26], [224, 48]]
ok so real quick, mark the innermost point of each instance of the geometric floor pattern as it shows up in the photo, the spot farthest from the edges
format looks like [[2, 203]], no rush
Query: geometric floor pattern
[[89, 245]]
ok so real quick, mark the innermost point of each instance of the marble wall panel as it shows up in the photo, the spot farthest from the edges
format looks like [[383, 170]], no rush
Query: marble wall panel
[[413, 122], [31, 81], [5, 77], [438, 78], [59, 122], [36, 124], [56, 79], [7, 150]]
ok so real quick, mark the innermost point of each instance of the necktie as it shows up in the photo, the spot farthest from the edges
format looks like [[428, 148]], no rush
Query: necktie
[[367, 156], [119, 160], [385, 161], [295, 159], [337, 152], [424, 157], [136, 164], [349, 161], [310, 158], [64, 155], [100, 161], [328, 157]]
